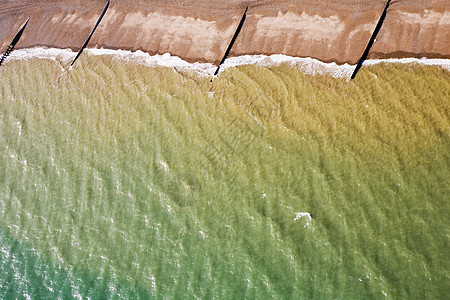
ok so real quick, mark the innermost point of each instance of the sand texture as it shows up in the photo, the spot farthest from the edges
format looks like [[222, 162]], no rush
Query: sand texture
[[200, 30]]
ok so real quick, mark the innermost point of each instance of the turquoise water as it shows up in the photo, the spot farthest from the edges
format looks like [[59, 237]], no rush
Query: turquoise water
[[26, 274], [123, 181]]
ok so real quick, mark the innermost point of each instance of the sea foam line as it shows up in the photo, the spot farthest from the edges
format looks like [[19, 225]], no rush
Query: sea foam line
[[307, 65]]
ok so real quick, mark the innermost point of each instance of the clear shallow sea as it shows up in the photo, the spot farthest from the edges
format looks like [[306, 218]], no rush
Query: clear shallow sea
[[121, 180]]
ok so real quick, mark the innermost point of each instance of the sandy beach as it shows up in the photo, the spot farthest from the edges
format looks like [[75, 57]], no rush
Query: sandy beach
[[199, 30]]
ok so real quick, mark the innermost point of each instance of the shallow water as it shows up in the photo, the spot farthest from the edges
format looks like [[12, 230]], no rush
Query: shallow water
[[120, 179]]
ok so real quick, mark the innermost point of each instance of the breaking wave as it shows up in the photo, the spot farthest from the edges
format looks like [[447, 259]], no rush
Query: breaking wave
[[307, 65]]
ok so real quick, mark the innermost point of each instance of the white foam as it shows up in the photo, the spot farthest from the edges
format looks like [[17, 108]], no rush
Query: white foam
[[43, 53], [306, 215], [307, 65], [300, 215]]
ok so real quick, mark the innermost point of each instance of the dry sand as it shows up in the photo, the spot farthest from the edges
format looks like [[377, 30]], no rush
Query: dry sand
[[200, 30]]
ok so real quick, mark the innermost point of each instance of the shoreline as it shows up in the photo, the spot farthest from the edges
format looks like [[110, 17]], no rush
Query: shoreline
[[307, 65], [372, 55]]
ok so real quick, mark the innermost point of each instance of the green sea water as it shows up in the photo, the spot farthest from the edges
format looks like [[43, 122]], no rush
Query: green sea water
[[119, 180]]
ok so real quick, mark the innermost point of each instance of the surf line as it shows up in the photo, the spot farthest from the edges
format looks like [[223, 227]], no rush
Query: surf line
[[371, 41], [241, 23], [14, 42], [92, 32]]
